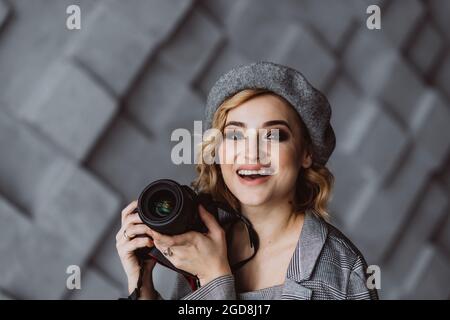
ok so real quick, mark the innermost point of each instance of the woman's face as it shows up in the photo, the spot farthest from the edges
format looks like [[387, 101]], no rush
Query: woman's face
[[258, 165]]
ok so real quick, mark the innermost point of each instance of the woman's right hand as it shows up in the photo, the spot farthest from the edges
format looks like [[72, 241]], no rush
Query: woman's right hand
[[127, 242]]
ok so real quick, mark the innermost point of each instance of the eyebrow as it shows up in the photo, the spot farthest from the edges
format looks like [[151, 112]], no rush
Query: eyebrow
[[265, 124]]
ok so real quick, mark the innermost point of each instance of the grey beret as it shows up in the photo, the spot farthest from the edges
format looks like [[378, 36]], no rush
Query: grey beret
[[310, 103]]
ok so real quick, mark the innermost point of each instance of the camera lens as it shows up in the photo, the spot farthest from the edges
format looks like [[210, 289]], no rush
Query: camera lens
[[169, 208], [161, 204]]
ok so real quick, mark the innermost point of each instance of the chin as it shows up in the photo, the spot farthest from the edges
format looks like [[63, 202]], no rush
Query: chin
[[252, 195], [251, 198]]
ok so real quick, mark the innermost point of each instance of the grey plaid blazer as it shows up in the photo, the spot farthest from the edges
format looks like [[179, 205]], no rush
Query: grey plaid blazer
[[325, 265]]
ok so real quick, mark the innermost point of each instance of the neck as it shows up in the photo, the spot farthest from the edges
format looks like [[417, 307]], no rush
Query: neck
[[272, 220]]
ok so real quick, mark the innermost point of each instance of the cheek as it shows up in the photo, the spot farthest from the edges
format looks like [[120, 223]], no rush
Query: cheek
[[227, 173], [285, 158], [288, 166]]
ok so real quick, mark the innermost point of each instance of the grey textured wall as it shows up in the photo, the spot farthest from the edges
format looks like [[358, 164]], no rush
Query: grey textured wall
[[85, 118]]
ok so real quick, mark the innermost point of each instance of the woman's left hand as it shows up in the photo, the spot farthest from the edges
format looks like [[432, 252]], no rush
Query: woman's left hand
[[201, 254]]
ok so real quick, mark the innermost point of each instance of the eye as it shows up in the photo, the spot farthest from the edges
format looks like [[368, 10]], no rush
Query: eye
[[234, 135], [276, 135], [273, 135]]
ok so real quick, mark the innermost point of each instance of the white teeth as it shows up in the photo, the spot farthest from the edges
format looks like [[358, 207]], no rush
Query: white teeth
[[262, 172]]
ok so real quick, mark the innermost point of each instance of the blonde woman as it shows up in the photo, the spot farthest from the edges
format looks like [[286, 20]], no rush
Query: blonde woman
[[284, 195]]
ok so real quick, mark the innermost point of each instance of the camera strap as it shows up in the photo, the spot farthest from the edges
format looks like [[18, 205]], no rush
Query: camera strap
[[230, 216], [254, 243]]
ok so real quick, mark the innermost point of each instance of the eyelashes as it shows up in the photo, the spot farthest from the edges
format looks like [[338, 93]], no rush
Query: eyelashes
[[276, 135]]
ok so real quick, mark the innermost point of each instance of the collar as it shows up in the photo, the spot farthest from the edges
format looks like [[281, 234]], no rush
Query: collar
[[312, 238]]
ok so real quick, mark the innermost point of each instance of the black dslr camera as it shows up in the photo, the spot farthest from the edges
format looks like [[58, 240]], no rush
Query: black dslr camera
[[170, 208]]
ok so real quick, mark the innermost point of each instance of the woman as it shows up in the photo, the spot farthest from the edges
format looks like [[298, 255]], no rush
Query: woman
[[284, 194]]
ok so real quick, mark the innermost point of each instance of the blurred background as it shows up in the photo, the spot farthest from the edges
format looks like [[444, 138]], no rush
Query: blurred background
[[86, 117]]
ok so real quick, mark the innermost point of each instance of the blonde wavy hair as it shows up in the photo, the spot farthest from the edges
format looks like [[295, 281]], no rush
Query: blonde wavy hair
[[314, 184]]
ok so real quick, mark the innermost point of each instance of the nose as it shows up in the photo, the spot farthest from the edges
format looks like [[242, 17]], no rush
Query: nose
[[252, 147]]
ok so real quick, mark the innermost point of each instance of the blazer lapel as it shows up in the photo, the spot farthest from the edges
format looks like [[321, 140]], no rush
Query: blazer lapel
[[312, 238]]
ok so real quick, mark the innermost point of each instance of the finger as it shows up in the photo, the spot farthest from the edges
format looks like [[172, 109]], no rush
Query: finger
[[175, 240], [183, 252], [131, 219], [138, 229], [210, 221], [178, 252], [128, 222], [137, 243], [161, 247], [128, 209], [121, 238], [162, 239], [187, 238]]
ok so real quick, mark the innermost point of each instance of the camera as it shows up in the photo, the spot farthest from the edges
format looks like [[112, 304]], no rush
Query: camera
[[171, 208]]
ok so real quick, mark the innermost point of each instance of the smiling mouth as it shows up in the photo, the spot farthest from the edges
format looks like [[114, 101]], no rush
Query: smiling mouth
[[252, 175]]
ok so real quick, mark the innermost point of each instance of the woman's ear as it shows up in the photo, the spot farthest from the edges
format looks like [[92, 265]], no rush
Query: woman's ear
[[307, 160]]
